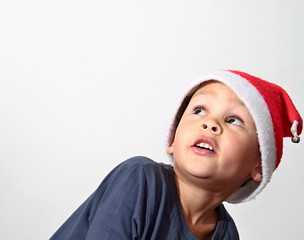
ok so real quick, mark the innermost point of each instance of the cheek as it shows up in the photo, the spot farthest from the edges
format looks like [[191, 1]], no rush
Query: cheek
[[182, 131], [181, 139], [252, 144], [250, 151], [242, 148]]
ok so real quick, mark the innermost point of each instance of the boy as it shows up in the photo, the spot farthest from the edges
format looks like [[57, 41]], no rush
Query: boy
[[225, 141]]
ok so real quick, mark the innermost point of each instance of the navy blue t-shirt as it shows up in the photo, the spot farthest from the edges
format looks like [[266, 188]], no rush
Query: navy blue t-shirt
[[137, 200]]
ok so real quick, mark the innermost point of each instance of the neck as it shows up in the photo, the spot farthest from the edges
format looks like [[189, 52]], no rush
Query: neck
[[199, 208]]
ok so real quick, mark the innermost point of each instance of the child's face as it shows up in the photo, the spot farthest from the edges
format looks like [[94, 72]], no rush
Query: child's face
[[216, 140]]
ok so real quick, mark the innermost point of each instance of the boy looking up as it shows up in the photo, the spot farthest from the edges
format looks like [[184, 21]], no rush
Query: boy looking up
[[225, 141], [215, 151]]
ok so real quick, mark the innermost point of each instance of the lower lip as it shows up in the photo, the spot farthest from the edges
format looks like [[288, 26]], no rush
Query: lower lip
[[202, 151]]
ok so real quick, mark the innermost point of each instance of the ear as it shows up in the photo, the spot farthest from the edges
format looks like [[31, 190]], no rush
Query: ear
[[256, 172], [170, 150]]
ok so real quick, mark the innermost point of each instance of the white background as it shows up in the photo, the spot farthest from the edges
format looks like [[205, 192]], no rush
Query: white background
[[86, 84]]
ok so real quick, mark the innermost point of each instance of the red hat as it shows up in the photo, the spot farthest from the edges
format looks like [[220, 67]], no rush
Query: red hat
[[273, 112]]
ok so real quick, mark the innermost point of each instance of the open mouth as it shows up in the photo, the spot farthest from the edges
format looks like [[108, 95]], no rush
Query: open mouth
[[204, 145]]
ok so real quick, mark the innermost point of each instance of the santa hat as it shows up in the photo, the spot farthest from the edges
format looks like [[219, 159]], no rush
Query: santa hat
[[273, 112]]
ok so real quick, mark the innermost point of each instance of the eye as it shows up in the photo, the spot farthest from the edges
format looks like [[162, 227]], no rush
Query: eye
[[199, 110], [235, 120]]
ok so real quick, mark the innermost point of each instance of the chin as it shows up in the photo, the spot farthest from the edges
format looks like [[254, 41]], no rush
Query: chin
[[199, 172]]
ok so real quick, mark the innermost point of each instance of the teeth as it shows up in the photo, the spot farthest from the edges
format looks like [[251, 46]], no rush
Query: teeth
[[204, 145]]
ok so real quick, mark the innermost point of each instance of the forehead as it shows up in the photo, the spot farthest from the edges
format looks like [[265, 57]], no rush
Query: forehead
[[216, 89]]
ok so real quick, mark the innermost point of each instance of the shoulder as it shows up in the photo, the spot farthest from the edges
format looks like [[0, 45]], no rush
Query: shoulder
[[138, 161], [142, 164], [139, 167], [132, 183]]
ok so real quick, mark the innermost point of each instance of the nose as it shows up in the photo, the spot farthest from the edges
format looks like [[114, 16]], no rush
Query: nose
[[213, 126]]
